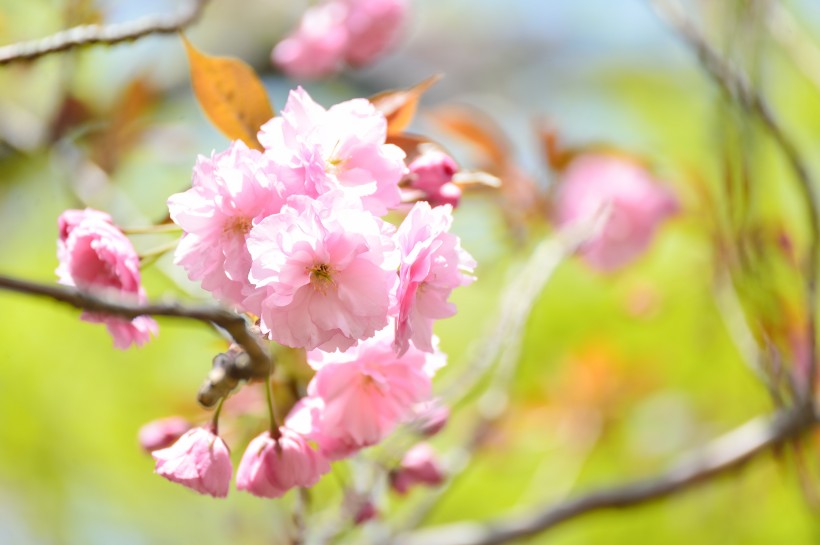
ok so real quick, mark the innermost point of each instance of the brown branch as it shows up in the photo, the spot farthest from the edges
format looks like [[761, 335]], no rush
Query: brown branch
[[723, 455], [253, 361], [737, 86], [85, 35]]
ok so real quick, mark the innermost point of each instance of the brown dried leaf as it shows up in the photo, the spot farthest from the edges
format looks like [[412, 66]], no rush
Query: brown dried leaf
[[231, 94], [399, 105], [478, 129]]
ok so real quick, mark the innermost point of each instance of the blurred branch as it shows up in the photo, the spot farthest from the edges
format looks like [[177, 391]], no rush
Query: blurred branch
[[795, 40], [737, 86], [111, 34], [253, 362], [719, 457]]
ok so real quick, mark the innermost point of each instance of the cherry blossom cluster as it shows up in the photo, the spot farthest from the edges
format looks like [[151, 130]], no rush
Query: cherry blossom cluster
[[338, 32], [294, 236]]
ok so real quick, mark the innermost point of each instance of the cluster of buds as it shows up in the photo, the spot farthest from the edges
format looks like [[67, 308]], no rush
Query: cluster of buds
[[294, 236]]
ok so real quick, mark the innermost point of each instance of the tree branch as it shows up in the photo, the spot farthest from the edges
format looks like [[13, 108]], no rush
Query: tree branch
[[737, 86], [111, 34], [254, 361], [723, 455]]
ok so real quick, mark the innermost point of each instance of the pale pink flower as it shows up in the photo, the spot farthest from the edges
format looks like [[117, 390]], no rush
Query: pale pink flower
[[340, 148], [418, 466], [317, 47], [432, 265], [324, 272], [270, 467], [432, 173], [305, 418], [637, 205], [95, 255], [361, 395], [162, 433], [373, 27], [199, 460], [231, 190]]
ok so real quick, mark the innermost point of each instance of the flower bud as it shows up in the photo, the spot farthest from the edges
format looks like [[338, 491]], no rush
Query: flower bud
[[431, 417], [419, 466], [432, 173], [199, 460], [270, 467]]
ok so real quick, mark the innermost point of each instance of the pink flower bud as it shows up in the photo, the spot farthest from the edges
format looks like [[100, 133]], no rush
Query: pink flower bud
[[270, 467], [419, 466], [317, 47], [367, 511], [431, 173], [199, 460], [162, 433], [431, 417]]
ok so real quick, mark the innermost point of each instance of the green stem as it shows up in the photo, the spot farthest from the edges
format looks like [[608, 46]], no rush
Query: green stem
[[153, 254], [152, 229], [274, 421], [215, 420]]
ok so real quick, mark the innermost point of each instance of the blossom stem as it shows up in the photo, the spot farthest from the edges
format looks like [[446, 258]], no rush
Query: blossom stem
[[152, 229], [274, 420], [215, 419], [158, 251]]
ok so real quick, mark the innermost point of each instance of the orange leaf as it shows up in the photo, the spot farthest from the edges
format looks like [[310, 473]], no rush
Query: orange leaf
[[478, 129], [399, 105], [231, 94]]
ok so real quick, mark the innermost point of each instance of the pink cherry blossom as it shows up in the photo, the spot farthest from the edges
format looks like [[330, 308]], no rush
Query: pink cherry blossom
[[338, 31], [431, 417], [638, 204], [270, 467], [324, 272], [317, 47], [357, 397], [231, 190], [95, 255], [431, 173], [162, 433], [373, 27], [339, 148], [199, 460], [432, 265], [418, 466]]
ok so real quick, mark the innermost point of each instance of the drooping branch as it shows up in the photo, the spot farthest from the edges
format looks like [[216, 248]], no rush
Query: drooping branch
[[725, 454], [738, 88], [109, 34], [252, 361]]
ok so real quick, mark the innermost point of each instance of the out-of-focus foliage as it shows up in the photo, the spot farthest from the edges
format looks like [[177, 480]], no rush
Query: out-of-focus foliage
[[618, 373]]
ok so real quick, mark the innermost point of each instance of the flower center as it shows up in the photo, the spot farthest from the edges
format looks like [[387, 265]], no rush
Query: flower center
[[238, 225], [321, 277]]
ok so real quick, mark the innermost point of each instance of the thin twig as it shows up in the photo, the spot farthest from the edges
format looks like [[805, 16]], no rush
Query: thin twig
[[258, 362], [737, 86], [723, 455], [110, 34]]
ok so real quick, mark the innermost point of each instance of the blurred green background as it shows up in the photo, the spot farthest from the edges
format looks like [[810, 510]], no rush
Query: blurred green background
[[619, 373]]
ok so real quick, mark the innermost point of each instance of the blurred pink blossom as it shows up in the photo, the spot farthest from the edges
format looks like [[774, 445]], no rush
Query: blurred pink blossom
[[270, 467], [339, 148], [162, 433], [339, 31], [373, 27], [324, 270], [231, 191], [638, 202], [317, 47], [199, 460], [419, 465], [95, 255], [432, 173], [431, 417], [432, 265]]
